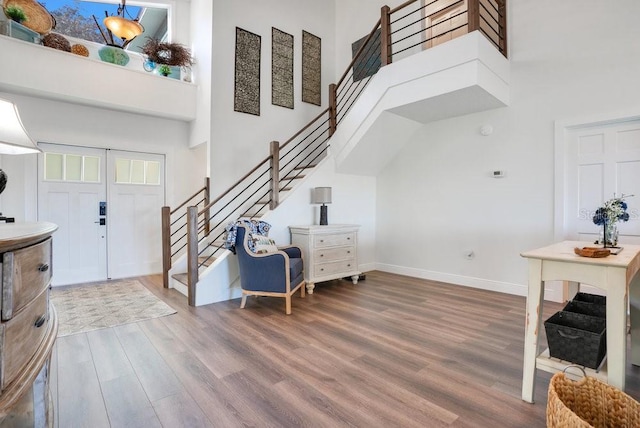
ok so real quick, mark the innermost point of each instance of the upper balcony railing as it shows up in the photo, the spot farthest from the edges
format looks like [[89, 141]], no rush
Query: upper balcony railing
[[409, 29]]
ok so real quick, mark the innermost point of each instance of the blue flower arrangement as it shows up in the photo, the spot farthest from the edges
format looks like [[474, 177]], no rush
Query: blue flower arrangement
[[613, 210]]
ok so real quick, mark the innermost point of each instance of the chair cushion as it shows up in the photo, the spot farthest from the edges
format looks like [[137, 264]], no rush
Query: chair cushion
[[263, 244], [295, 269]]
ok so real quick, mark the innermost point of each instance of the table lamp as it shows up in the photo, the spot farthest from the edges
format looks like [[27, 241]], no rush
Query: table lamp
[[14, 139], [322, 195]]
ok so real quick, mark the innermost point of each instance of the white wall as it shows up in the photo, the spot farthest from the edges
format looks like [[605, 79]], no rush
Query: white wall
[[569, 59], [239, 140], [63, 123], [353, 202]]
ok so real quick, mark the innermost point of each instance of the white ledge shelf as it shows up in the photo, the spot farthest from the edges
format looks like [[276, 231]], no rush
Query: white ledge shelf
[[52, 74]]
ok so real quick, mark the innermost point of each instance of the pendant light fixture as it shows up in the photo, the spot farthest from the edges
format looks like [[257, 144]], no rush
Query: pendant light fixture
[[121, 27]]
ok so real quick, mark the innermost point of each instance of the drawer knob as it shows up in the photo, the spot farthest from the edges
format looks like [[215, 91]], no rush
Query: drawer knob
[[348, 238], [349, 265], [43, 267], [321, 255], [322, 240], [321, 269], [348, 252], [40, 321]]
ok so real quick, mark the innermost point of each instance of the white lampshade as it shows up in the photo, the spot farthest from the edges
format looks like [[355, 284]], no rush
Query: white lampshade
[[321, 195], [14, 139]]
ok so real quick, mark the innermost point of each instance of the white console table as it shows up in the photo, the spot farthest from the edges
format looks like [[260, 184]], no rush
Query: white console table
[[616, 274], [329, 252]]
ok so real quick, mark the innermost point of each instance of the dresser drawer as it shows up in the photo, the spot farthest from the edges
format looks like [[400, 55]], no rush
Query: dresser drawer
[[342, 266], [333, 254], [23, 335], [322, 241], [25, 273]]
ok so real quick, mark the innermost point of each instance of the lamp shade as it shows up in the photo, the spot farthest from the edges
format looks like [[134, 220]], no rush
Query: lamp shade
[[14, 139], [321, 195], [125, 29]]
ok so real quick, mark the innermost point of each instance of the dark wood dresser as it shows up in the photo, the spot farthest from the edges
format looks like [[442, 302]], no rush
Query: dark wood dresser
[[28, 323]]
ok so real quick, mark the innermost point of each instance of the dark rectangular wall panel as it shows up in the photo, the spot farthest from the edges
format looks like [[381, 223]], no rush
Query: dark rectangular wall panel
[[369, 62], [311, 68], [281, 68], [247, 73]]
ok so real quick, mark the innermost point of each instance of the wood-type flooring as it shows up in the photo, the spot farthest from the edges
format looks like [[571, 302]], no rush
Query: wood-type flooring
[[392, 351]]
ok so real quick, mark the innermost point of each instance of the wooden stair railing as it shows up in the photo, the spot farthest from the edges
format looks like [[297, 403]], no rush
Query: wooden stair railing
[[174, 232], [399, 32]]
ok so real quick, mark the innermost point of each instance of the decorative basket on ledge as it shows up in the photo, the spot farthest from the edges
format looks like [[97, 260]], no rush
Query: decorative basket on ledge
[[589, 403], [38, 18]]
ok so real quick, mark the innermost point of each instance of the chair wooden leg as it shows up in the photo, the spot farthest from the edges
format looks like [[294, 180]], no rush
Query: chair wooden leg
[[302, 287], [288, 304], [243, 301]]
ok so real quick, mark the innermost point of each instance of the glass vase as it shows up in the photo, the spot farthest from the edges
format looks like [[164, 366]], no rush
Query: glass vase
[[610, 235]]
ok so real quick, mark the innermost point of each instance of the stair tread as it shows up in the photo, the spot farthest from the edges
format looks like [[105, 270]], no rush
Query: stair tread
[[205, 261], [181, 277]]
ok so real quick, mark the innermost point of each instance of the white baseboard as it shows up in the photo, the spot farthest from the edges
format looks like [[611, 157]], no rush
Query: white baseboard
[[552, 293]]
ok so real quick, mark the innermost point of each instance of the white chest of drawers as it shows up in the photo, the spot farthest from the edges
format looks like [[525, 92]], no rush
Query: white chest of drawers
[[330, 252]]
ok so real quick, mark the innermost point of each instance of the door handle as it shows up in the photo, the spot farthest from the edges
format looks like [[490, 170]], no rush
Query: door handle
[[101, 222]]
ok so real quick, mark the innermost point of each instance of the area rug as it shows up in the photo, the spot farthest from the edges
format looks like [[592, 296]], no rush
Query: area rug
[[105, 304]]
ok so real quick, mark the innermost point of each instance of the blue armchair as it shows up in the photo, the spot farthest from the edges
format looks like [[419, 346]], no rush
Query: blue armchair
[[275, 274]]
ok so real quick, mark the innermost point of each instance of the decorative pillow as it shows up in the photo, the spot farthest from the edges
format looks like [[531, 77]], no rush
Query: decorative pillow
[[263, 244]]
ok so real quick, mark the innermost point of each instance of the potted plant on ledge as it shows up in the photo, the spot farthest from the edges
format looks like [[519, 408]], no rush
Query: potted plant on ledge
[[166, 55], [15, 13]]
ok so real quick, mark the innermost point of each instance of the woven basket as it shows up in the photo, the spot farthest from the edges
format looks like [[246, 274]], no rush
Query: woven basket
[[38, 18], [589, 403]]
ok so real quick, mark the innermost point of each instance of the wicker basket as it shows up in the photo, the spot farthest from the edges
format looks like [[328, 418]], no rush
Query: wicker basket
[[589, 403]]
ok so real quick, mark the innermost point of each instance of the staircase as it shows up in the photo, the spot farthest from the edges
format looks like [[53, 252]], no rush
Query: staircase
[[356, 121]]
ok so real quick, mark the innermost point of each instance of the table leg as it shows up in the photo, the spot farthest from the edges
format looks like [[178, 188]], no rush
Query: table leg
[[572, 289], [533, 322], [634, 298], [616, 327]]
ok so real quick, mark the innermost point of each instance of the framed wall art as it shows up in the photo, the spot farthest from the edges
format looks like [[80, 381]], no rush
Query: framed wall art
[[247, 73], [311, 68], [281, 68]]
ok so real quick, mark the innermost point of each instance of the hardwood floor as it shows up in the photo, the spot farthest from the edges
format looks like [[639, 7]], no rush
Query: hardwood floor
[[392, 351]]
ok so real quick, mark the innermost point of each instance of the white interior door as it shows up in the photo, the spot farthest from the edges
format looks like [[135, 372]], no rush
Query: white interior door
[[106, 204], [602, 161], [445, 20], [71, 185], [136, 194]]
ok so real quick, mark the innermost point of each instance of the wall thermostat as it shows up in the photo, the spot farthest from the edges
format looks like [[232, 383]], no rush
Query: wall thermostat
[[497, 174]]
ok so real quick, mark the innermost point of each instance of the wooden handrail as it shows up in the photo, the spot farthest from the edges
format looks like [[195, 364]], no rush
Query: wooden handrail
[[357, 55], [402, 6], [225, 193], [303, 129], [188, 199]]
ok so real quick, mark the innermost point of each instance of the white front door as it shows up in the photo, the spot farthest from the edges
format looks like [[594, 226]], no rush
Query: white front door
[[71, 186], [136, 195], [602, 161], [106, 204]]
